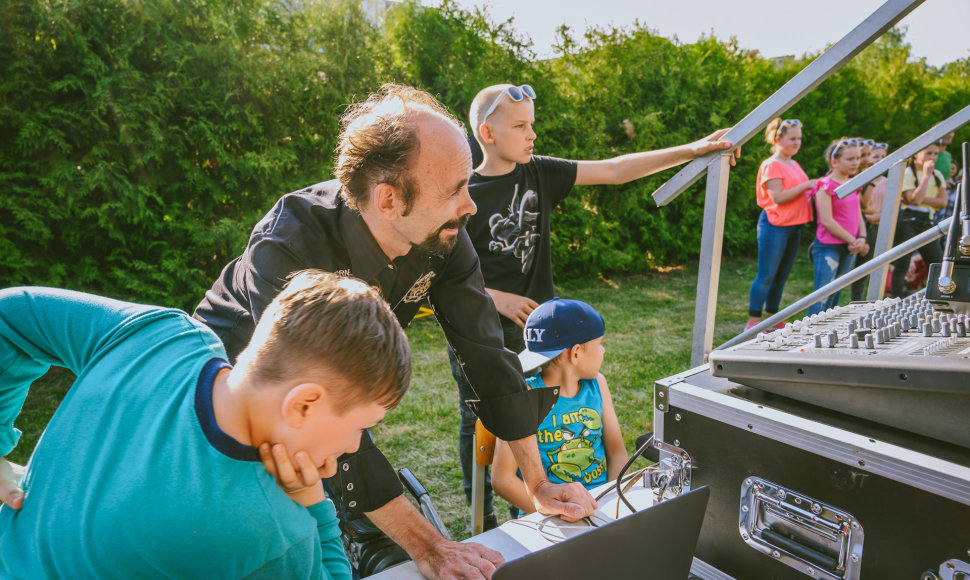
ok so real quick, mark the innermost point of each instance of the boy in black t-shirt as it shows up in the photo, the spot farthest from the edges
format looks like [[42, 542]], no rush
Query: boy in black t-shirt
[[516, 192]]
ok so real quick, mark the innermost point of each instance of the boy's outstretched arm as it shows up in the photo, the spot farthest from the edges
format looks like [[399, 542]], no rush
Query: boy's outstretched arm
[[616, 455], [626, 168]]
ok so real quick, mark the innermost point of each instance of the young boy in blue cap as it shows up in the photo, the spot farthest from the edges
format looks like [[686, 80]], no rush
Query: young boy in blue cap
[[580, 439]]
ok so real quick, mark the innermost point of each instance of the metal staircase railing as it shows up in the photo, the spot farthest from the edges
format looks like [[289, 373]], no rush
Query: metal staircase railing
[[717, 167]]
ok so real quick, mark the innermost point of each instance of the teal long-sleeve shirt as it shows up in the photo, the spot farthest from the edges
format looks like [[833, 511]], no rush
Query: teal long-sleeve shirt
[[133, 477]]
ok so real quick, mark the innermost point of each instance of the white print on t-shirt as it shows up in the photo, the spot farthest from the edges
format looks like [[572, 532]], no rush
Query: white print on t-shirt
[[515, 233]]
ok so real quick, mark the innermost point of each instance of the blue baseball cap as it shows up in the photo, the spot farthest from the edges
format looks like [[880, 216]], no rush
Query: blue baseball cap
[[555, 326]]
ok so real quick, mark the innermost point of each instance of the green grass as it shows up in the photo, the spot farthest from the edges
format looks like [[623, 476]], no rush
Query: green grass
[[649, 322]]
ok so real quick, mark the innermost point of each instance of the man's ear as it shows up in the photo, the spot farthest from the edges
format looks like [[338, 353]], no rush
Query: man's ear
[[387, 200], [300, 402]]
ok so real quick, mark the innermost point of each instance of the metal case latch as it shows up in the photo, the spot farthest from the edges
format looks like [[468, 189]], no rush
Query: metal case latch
[[949, 570], [671, 476], [803, 533]]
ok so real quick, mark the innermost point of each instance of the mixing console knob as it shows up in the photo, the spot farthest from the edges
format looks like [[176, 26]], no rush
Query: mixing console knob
[[870, 341], [818, 341], [936, 325], [880, 337], [927, 329], [833, 339], [946, 328], [904, 324], [853, 341], [961, 328], [852, 326]]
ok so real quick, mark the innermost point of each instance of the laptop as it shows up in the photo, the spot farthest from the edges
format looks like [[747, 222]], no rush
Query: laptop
[[656, 542]]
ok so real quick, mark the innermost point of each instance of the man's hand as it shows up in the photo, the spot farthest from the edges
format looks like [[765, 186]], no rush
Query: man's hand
[[570, 501], [301, 483], [512, 306], [436, 557], [448, 560], [713, 142], [10, 492]]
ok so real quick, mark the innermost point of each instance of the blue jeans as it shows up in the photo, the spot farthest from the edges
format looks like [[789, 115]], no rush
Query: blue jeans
[[831, 261], [777, 250]]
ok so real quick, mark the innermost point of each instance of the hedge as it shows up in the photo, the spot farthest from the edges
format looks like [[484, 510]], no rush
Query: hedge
[[141, 140]]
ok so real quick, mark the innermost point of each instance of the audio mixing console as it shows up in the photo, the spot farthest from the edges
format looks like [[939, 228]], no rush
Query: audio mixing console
[[895, 361]]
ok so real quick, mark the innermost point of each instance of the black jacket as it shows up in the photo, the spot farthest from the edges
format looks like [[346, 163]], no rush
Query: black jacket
[[313, 228]]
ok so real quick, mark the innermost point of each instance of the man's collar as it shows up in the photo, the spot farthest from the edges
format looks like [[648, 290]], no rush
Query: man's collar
[[367, 259]]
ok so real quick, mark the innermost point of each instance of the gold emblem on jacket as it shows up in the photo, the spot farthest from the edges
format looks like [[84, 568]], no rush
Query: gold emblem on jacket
[[420, 288]]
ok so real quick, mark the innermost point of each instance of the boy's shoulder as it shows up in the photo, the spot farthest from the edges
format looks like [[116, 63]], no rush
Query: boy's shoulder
[[537, 163], [548, 162], [599, 383]]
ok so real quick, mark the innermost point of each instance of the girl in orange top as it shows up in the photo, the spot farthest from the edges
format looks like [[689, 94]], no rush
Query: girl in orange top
[[780, 190]]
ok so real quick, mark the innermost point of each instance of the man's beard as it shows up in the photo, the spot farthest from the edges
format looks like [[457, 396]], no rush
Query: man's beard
[[435, 245]]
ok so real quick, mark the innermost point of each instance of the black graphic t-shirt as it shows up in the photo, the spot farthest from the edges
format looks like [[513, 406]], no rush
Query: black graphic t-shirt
[[511, 230]]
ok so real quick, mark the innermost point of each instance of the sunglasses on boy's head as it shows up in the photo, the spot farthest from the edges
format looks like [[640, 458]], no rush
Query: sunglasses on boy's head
[[881, 146], [787, 123], [846, 143], [515, 93], [867, 143]]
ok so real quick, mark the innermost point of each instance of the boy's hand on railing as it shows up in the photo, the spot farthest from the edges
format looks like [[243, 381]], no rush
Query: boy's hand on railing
[[713, 142]]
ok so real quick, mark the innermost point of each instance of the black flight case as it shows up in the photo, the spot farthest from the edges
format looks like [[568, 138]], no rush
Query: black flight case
[[800, 491]]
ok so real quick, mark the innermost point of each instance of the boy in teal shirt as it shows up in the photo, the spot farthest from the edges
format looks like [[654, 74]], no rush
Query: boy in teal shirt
[[155, 464]]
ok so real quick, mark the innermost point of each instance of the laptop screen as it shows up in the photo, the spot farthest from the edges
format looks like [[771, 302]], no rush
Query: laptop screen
[[656, 542]]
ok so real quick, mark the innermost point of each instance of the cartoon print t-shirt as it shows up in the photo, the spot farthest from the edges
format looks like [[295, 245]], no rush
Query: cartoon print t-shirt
[[510, 230], [571, 436]]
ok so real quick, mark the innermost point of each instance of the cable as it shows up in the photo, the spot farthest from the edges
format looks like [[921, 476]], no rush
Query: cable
[[619, 478], [541, 526]]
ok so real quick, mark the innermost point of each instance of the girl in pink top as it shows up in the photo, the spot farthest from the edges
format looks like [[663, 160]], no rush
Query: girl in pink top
[[873, 194], [841, 232], [780, 190]]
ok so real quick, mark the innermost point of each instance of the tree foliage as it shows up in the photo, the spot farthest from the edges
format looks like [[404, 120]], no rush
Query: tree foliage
[[141, 140]]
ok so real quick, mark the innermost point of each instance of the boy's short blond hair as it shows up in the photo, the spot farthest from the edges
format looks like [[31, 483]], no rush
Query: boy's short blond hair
[[481, 103], [321, 324]]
